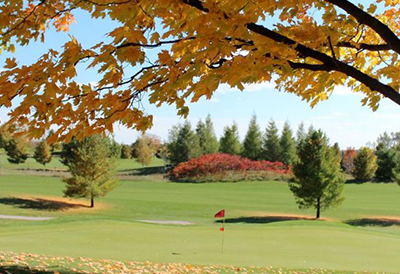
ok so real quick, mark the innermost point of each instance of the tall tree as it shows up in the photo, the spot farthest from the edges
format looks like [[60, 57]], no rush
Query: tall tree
[[210, 43], [301, 133], [17, 150], [126, 152], [318, 182], [42, 153], [208, 140], [230, 141], [387, 161], [365, 164], [92, 168], [252, 141], [183, 144], [271, 145], [287, 145], [144, 150]]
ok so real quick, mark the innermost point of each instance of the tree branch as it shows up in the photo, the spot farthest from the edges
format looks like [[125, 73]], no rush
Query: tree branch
[[370, 47], [326, 60], [364, 18]]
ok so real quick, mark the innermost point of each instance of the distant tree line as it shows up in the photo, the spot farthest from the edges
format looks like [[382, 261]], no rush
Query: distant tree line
[[185, 143], [380, 162]]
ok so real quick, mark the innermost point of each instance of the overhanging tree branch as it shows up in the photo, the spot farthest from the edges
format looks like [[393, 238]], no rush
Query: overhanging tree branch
[[328, 63], [364, 18]]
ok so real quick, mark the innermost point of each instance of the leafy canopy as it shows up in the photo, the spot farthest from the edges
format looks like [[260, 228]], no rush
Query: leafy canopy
[[308, 46]]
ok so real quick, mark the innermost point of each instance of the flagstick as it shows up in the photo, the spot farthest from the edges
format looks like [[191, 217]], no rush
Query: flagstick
[[223, 233]]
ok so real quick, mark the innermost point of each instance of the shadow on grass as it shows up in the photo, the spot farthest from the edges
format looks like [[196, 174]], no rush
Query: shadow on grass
[[382, 222], [264, 219], [39, 204], [15, 269], [358, 182], [144, 171]]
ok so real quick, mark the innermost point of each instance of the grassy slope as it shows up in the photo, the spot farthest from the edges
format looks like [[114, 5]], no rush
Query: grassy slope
[[114, 232]]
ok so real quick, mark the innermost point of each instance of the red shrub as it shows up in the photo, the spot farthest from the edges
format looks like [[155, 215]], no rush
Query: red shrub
[[224, 167]]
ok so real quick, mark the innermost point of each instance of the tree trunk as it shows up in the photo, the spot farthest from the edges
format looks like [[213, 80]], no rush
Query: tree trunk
[[92, 201], [318, 207]]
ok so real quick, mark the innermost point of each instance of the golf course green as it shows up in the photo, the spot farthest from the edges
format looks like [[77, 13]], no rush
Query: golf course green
[[264, 227]]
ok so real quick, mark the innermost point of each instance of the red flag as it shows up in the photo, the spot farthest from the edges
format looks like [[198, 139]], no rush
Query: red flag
[[220, 214], [221, 229]]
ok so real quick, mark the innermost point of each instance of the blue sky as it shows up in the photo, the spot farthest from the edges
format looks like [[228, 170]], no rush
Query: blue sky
[[342, 117]]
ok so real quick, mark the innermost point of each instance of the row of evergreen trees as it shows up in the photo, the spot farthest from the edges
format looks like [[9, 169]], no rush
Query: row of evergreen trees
[[185, 143]]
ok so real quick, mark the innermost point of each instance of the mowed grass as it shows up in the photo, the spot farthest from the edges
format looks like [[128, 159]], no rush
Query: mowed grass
[[261, 230], [122, 165]]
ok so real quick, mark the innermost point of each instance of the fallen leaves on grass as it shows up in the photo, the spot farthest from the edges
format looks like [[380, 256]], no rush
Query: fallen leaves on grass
[[11, 262]]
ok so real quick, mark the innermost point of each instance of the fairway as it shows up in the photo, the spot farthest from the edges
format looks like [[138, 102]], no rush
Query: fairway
[[264, 226]]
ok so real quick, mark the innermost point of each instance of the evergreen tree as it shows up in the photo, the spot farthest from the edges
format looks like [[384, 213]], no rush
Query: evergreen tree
[[252, 141], [115, 149], [67, 152], [365, 164], [387, 161], [92, 166], [338, 151], [287, 145], [271, 145], [133, 149], [318, 182], [301, 133], [230, 142], [16, 149], [208, 140], [184, 144], [42, 153], [126, 152]]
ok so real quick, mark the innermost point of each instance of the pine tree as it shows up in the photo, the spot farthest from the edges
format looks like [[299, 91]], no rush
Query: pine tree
[[126, 152], [365, 164], [206, 134], [16, 150], [184, 144], [230, 142], [92, 166], [42, 153], [318, 182], [287, 145], [271, 145], [252, 141], [387, 161], [301, 133]]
